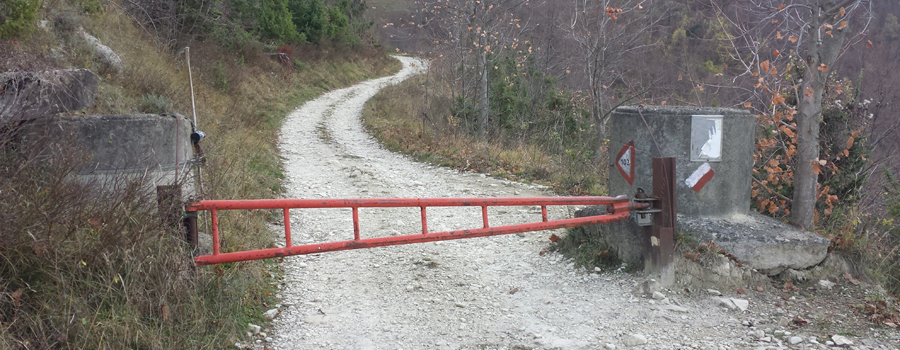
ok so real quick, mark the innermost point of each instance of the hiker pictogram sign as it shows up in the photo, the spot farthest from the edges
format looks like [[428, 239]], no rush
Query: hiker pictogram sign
[[625, 162]]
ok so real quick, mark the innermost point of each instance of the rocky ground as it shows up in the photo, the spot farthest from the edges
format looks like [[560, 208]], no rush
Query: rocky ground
[[502, 292]]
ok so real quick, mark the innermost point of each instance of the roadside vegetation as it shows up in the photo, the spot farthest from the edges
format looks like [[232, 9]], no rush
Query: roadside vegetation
[[89, 268]]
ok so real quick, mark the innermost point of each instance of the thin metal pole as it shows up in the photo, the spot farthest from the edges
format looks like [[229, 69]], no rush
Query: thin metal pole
[[187, 57]]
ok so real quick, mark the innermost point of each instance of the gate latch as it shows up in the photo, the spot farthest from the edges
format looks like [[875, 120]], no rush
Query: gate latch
[[645, 217]]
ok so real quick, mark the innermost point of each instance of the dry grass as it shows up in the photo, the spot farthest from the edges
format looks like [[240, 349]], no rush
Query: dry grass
[[99, 271], [406, 121]]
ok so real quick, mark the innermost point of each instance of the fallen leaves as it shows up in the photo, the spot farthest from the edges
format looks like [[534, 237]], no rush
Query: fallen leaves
[[554, 238], [850, 278], [790, 287]]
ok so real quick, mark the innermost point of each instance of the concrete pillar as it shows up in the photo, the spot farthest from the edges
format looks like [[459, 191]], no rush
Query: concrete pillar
[[683, 132], [674, 132]]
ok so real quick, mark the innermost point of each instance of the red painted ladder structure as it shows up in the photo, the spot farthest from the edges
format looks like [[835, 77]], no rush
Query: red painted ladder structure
[[618, 209]]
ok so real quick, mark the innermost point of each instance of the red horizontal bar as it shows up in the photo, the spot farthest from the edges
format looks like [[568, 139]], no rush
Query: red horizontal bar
[[398, 202], [619, 215]]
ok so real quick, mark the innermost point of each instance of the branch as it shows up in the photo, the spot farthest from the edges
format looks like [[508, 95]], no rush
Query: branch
[[779, 195]]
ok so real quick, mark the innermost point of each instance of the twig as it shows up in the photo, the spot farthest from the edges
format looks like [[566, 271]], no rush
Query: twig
[[779, 195]]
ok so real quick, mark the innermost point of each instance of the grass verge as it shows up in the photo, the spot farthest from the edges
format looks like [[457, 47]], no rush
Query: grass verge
[[406, 119]]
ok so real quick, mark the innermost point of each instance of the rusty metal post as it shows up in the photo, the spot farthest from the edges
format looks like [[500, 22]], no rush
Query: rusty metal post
[[168, 199], [659, 238], [190, 229]]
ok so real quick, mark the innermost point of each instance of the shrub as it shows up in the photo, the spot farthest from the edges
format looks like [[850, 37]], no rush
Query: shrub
[[275, 21], [17, 17]]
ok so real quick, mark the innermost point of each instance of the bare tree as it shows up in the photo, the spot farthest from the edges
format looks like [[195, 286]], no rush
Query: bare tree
[[809, 35], [609, 33]]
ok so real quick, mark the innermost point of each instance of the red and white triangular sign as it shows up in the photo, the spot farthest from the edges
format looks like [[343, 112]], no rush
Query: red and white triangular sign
[[700, 177], [625, 162]]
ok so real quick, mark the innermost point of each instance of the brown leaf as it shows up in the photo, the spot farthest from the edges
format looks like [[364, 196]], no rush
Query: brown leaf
[[890, 324], [764, 66], [513, 291], [779, 36], [793, 38], [781, 7], [843, 25], [869, 43], [543, 251], [740, 291], [554, 238], [776, 52], [843, 11], [747, 104], [851, 279], [759, 288], [17, 295], [789, 286], [822, 67], [165, 312], [800, 321]]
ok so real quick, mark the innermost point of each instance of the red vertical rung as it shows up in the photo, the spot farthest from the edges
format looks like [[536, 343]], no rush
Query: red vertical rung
[[355, 223], [424, 222], [214, 214], [287, 227], [544, 212], [484, 216]]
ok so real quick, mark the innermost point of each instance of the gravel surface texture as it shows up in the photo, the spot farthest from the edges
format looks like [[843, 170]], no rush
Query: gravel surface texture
[[485, 293]]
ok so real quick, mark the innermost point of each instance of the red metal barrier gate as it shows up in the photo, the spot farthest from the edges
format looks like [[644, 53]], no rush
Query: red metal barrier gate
[[618, 208]]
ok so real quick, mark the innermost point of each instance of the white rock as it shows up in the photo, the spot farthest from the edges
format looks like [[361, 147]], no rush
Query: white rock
[[795, 340], [263, 334], [829, 343], [609, 346], [826, 284], [741, 303], [841, 340], [268, 339], [271, 314], [675, 308], [254, 328], [658, 296], [598, 270], [634, 340], [758, 334], [714, 292], [725, 302]]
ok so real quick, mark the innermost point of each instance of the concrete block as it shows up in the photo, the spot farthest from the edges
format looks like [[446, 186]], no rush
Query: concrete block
[[766, 244], [29, 95], [727, 193], [157, 146]]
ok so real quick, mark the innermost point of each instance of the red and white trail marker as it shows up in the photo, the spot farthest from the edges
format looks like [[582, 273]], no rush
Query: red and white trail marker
[[625, 162], [700, 177]]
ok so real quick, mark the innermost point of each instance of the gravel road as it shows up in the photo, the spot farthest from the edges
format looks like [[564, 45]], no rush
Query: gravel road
[[483, 293]]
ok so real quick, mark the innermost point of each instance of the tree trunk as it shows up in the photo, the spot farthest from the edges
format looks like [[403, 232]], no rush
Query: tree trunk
[[484, 107], [823, 48]]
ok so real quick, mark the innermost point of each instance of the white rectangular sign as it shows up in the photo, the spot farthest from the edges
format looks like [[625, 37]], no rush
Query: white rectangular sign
[[706, 138]]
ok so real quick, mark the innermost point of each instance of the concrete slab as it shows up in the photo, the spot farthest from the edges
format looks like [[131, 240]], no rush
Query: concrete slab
[[766, 244]]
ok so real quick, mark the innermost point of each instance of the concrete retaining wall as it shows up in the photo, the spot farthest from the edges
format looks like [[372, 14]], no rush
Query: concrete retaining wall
[[120, 145]]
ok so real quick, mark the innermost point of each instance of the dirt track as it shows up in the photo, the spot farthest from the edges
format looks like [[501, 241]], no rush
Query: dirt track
[[483, 293]]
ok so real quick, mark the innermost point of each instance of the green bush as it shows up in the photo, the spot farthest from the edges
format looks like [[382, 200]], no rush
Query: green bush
[[17, 16], [275, 21], [309, 18]]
